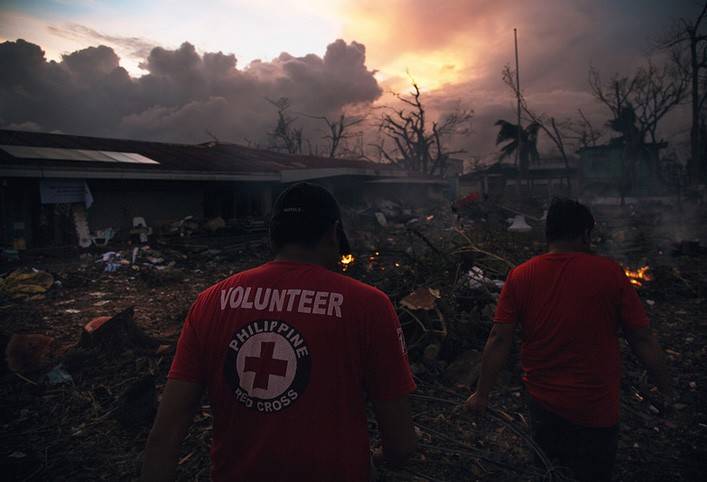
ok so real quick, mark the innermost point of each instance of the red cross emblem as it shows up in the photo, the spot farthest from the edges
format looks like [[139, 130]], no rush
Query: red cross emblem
[[265, 365]]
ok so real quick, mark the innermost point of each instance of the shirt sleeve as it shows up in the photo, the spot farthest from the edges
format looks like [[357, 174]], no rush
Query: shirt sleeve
[[188, 363], [631, 309], [507, 306], [387, 371]]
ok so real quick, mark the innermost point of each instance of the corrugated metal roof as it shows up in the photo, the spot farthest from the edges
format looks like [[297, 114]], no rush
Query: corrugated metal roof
[[209, 157]]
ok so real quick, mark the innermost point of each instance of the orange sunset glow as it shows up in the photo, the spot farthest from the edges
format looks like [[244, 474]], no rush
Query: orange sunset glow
[[454, 50]]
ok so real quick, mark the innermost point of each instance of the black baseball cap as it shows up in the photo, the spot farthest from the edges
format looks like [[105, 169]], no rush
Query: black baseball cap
[[302, 213]]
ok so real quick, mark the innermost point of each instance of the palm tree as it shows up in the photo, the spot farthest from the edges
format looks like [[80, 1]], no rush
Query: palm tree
[[528, 143]]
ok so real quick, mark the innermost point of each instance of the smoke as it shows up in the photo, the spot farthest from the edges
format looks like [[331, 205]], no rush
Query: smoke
[[183, 95]]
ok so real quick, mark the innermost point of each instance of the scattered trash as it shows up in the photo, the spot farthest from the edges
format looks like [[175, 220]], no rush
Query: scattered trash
[[111, 259], [9, 254], [380, 217], [467, 267], [388, 207], [59, 375], [28, 353], [140, 229], [184, 227], [519, 225], [102, 236], [421, 299], [477, 280], [215, 224], [162, 349], [24, 283]]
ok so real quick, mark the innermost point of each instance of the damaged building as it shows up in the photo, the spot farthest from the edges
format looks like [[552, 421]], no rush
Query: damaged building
[[59, 190]]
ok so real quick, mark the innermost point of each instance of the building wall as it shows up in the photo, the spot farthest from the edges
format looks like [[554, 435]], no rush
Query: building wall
[[604, 165], [469, 186], [116, 203], [19, 210], [353, 191], [417, 195]]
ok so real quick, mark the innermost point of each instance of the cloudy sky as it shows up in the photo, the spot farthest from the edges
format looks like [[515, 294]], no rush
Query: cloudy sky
[[175, 69]]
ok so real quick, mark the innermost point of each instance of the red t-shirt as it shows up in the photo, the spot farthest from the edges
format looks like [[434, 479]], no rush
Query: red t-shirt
[[570, 307], [289, 353]]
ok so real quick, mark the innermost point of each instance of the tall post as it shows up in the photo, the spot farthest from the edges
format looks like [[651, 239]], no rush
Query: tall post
[[518, 141]]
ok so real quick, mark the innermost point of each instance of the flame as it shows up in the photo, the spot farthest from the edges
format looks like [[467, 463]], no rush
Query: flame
[[346, 260], [638, 276]]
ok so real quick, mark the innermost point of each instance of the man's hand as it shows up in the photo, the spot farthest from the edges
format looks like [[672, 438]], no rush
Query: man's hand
[[496, 351], [476, 403], [646, 348], [397, 430], [179, 402]]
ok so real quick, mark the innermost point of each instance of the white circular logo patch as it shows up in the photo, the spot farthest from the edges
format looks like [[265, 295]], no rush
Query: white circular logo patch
[[267, 365]]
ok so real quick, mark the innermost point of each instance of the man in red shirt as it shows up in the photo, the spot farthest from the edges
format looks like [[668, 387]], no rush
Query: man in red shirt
[[289, 353], [570, 305]]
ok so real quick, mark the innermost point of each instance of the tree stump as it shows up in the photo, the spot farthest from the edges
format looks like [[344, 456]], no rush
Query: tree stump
[[116, 333]]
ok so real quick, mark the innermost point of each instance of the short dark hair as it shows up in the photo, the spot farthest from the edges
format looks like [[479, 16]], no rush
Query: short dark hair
[[567, 220], [302, 214]]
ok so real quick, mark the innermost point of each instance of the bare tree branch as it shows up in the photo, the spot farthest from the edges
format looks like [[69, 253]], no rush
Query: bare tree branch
[[284, 137], [417, 146]]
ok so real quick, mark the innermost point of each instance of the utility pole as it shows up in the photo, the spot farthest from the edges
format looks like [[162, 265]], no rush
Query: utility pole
[[518, 141]]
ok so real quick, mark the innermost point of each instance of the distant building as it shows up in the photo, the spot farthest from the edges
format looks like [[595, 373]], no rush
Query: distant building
[[47, 180], [545, 179], [601, 169]]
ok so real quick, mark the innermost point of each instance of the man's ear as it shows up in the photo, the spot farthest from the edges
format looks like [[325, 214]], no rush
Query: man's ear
[[330, 235], [587, 237]]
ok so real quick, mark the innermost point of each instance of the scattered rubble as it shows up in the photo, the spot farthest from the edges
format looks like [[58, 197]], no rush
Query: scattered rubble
[[90, 382], [26, 283], [421, 299], [28, 353]]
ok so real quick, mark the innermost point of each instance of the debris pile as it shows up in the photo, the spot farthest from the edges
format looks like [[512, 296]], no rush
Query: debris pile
[[444, 279], [26, 283], [84, 369]]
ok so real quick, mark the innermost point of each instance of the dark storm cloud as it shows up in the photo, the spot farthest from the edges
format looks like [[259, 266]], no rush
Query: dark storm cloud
[[183, 95]]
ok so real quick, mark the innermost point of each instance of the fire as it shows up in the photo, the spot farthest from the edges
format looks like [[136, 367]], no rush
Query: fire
[[638, 276], [347, 260]]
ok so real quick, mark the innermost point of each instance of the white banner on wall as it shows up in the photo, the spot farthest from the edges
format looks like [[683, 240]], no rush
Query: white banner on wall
[[65, 191]]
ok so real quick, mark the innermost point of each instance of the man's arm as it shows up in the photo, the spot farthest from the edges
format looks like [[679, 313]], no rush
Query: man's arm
[[179, 402], [496, 351], [397, 431], [646, 348]]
